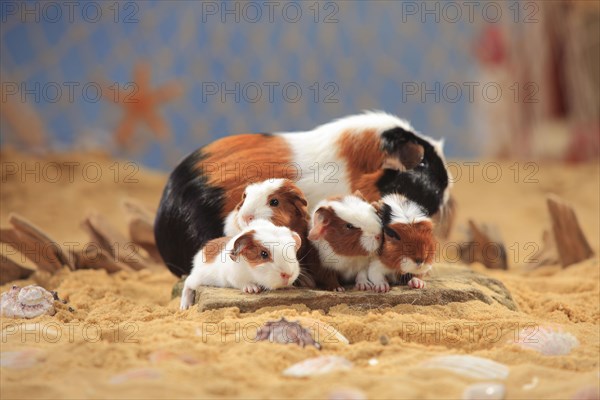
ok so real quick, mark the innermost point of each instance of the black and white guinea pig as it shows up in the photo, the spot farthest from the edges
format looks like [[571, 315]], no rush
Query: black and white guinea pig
[[346, 231], [374, 152]]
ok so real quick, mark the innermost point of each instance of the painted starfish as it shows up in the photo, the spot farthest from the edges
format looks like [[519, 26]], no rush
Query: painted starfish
[[141, 105]]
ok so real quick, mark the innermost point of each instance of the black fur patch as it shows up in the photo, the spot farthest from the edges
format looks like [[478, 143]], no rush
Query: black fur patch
[[188, 215], [386, 214], [425, 184]]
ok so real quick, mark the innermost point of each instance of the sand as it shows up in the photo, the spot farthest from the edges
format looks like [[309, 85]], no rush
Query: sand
[[127, 322]]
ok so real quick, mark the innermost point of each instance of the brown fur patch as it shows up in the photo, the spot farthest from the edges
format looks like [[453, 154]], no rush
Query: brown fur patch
[[248, 247], [343, 240], [214, 247], [234, 162], [291, 211], [416, 242], [364, 159]]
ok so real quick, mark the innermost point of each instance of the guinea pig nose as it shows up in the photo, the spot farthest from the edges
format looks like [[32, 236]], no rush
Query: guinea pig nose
[[418, 261], [285, 276], [248, 218], [377, 237]]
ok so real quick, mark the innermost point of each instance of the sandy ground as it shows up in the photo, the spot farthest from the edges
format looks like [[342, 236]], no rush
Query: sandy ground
[[126, 323]]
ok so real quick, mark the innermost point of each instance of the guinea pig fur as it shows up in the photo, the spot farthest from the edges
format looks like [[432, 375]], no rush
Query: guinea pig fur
[[262, 256], [374, 152], [408, 243], [277, 200], [346, 231]]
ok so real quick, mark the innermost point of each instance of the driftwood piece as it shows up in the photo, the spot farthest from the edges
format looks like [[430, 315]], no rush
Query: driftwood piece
[[97, 258], [36, 245], [569, 239], [11, 271], [114, 243], [484, 246], [141, 228], [548, 253]]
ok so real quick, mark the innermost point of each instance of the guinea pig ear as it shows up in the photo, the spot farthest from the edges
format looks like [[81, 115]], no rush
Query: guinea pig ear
[[298, 240], [377, 205], [359, 194], [299, 202], [411, 154], [241, 243], [321, 218]]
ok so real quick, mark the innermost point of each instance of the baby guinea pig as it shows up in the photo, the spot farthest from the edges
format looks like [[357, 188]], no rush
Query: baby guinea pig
[[347, 233], [262, 256], [408, 243], [277, 200]]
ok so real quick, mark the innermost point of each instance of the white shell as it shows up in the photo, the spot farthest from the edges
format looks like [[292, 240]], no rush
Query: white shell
[[471, 366], [548, 341], [28, 302], [484, 391], [21, 358], [318, 366]]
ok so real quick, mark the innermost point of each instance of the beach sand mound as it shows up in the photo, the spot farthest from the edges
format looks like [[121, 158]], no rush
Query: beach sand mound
[[126, 338]]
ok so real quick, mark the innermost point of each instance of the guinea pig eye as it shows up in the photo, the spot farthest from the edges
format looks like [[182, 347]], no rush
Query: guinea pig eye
[[274, 203], [350, 226], [391, 233], [422, 164], [264, 255]]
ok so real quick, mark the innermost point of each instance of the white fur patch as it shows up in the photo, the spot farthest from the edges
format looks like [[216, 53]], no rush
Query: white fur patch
[[403, 210]]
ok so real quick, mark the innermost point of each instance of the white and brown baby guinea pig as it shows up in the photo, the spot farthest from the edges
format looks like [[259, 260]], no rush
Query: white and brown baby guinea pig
[[346, 232], [262, 256], [277, 200], [408, 243]]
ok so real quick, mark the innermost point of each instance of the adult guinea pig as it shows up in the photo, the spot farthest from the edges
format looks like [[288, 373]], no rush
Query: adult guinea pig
[[346, 231], [374, 152], [408, 243]]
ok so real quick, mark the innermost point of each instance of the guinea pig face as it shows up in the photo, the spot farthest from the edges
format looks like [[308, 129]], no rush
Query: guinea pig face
[[349, 225], [277, 200], [408, 248], [270, 254]]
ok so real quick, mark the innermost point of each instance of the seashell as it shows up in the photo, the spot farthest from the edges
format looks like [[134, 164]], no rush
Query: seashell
[[484, 391], [284, 331], [138, 373], [318, 366], [21, 358], [28, 302], [324, 331], [159, 356], [547, 341], [587, 393], [531, 385], [471, 366], [347, 394]]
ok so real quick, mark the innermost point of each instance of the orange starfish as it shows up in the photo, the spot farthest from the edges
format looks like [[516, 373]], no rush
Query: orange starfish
[[141, 104]]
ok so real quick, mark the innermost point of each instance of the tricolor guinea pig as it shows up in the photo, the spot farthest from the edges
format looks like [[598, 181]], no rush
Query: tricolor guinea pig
[[346, 231], [374, 152], [408, 243], [262, 256]]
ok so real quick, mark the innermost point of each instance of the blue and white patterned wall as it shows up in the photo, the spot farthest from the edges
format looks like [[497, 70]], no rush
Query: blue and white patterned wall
[[344, 56]]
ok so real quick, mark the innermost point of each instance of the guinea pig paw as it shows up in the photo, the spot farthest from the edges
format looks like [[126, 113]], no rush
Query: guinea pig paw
[[252, 288], [383, 287], [363, 286], [416, 283], [339, 289]]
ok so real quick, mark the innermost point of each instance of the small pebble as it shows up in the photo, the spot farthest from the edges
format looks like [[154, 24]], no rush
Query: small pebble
[[484, 391], [384, 340]]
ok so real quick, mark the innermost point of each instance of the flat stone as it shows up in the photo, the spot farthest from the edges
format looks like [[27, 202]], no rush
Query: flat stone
[[448, 284]]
